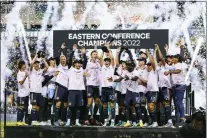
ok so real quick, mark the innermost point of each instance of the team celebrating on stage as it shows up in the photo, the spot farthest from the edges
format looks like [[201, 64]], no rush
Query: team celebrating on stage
[[139, 86]]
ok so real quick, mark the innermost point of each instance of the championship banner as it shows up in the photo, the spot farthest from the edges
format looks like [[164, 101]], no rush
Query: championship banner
[[91, 39]]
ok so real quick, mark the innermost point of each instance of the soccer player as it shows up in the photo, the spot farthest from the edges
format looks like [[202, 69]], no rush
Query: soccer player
[[23, 93], [152, 90], [44, 99], [51, 87], [36, 79], [121, 86], [179, 87], [92, 83], [141, 110], [106, 78], [76, 86], [164, 83]]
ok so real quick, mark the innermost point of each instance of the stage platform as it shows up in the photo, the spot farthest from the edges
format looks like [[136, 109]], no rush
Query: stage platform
[[89, 132]]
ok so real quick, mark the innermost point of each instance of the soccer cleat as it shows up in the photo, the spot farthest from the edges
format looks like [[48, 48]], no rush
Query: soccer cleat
[[43, 123], [56, 123], [112, 123], [127, 124], [67, 124], [182, 122], [35, 123], [141, 124], [134, 124], [24, 124], [169, 125], [119, 124], [49, 123], [61, 123], [123, 123], [154, 124], [106, 122], [78, 124], [145, 125], [19, 124]]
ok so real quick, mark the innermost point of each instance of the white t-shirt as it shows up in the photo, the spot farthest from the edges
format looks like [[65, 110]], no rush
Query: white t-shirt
[[23, 90], [132, 85], [62, 77], [143, 74], [36, 79], [50, 72], [163, 80], [121, 86], [178, 79], [106, 72], [93, 69], [152, 81], [76, 79]]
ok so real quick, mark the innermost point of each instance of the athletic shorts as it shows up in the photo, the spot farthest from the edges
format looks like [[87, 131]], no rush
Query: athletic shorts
[[152, 96], [61, 93], [35, 98], [164, 94], [129, 98], [107, 94], [75, 98], [93, 92], [120, 98], [23, 101]]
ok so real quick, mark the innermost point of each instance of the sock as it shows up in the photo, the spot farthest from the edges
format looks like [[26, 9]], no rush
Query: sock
[[168, 113], [138, 111], [95, 110], [20, 114], [57, 113], [105, 112], [68, 121], [113, 113], [41, 114], [134, 118], [153, 116], [127, 112], [77, 121], [49, 111], [64, 114], [181, 110], [144, 111], [158, 116], [77, 113], [170, 121], [34, 114], [69, 113]]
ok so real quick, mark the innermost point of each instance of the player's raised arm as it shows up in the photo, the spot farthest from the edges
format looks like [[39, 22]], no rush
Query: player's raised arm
[[101, 58], [151, 59], [117, 56], [160, 54], [70, 61], [33, 60], [83, 52]]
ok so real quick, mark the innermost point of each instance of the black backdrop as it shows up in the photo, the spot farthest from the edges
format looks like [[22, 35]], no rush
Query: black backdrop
[[159, 37]]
